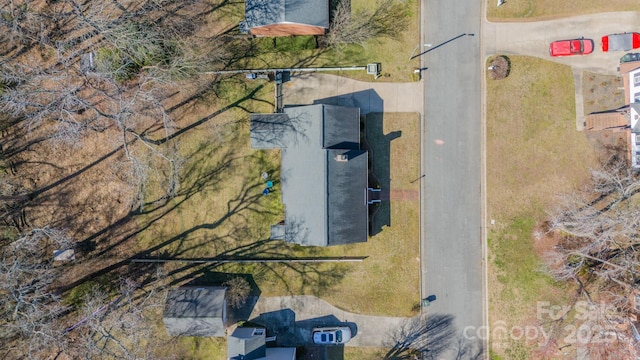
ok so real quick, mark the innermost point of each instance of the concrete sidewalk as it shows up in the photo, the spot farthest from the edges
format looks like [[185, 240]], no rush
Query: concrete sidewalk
[[292, 319], [312, 88]]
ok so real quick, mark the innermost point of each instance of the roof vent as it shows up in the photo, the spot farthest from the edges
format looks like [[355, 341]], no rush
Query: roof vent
[[342, 158]]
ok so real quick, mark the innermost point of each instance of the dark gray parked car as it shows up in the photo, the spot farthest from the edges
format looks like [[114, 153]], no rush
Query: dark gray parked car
[[630, 57]]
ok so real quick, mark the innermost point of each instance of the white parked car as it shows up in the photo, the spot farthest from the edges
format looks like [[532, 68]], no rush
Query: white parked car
[[331, 335]]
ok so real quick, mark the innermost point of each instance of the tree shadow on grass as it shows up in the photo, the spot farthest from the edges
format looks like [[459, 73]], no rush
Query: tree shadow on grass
[[177, 245], [243, 201]]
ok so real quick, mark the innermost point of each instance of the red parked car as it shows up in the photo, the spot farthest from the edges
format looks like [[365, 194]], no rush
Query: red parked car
[[621, 42], [580, 46]]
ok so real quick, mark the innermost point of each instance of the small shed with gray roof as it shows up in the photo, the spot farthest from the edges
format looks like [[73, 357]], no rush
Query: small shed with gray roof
[[246, 344], [250, 344], [286, 17], [196, 311], [324, 173]]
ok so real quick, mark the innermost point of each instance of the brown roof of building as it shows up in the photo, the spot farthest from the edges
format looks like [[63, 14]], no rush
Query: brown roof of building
[[287, 30], [607, 121], [625, 68]]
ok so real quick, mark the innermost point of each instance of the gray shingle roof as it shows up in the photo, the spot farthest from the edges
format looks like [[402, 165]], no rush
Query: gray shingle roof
[[347, 198], [195, 311], [325, 199], [267, 12], [245, 344], [636, 107]]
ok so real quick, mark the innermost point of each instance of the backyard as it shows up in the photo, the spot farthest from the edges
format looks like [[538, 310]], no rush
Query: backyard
[[152, 164], [214, 206]]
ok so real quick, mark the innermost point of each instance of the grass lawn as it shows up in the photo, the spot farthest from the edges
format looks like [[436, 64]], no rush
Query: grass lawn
[[364, 353], [300, 51], [546, 9], [393, 54], [219, 210], [533, 154], [223, 212], [387, 282]]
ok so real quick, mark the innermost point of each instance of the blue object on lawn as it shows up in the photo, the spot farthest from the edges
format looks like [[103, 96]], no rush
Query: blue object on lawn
[[269, 184], [265, 192]]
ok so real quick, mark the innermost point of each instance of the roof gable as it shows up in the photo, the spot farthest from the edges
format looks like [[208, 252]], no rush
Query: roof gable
[[347, 198], [340, 131], [196, 311], [263, 12], [310, 12], [324, 196], [268, 12], [634, 117], [246, 344], [270, 131]]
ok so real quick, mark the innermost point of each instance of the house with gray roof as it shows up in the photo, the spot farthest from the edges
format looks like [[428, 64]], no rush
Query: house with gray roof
[[626, 119], [196, 311], [286, 17], [324, 173], [250, 344]]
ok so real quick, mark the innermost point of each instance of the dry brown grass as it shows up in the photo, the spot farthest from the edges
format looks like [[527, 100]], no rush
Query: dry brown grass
[[364, 353], [534, 153], [387, 282], [201, 225], [394, 53], [531, 117], [601, 92], [534, 10]]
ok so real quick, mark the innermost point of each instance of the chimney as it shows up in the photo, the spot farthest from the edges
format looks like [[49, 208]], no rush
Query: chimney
[[342, 158]]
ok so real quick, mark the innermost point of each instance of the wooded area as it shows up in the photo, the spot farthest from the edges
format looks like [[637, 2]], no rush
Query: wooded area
[[596, 239], [93, 96]]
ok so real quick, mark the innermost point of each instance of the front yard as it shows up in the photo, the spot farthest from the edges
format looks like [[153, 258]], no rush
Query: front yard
[[534, 154]]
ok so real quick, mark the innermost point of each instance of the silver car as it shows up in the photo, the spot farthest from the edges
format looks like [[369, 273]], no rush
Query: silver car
[[331, 335]]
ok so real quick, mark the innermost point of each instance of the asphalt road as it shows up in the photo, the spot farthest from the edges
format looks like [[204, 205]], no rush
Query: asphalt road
[[452, 241]]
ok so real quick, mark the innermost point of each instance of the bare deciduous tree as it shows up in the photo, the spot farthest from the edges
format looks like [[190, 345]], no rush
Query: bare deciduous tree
[[385, 20], [117, 327], [597, 231], [238, 290], [137, 50], [29, 303]]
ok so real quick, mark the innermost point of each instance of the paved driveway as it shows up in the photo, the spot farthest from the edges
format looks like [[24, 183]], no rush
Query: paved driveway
[[533, 38], [292, 319], [369, 96]]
